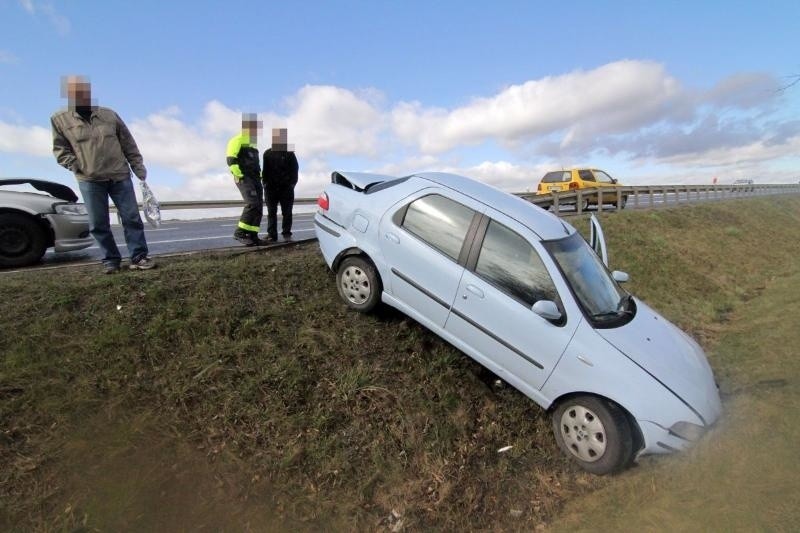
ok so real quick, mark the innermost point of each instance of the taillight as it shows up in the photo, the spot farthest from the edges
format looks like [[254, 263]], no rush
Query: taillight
[[322, 201], [573, 185]]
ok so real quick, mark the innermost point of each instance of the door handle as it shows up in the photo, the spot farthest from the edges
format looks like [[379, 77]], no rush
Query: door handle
[[474, 290], [392, 237]]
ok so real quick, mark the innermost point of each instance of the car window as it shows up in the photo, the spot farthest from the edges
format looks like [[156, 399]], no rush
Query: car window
[[586, 175], [557, 176], [508, 261], [602, 177], [439, 221]]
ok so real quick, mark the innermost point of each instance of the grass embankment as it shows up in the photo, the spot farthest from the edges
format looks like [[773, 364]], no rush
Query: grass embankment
[[236, 392]]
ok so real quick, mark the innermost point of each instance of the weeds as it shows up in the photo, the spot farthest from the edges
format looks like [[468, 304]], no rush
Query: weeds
[[250, 370]]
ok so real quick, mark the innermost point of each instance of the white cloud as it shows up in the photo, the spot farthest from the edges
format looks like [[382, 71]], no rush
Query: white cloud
[[28, 6], [614, 97], [61, 23], [331, 120], [28, 140], [166, 140], [7, 57]]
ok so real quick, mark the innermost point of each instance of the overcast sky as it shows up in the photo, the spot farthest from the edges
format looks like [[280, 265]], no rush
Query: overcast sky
[[651, 92]]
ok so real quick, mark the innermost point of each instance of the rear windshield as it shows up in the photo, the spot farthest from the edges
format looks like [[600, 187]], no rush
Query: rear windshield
[[557, 176]]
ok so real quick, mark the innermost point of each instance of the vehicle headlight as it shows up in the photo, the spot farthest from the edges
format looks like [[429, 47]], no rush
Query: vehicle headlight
[[69, 209], [687, 430]]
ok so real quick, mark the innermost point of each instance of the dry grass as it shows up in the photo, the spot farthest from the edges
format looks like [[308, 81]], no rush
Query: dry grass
[[275, 407]]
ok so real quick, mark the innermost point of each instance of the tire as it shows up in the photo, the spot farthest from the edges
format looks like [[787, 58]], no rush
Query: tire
[[594, 433], [22, 240], [359, 284]]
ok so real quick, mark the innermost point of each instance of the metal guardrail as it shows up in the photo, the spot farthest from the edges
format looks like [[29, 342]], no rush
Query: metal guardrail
[[650, 195], [638, 196]]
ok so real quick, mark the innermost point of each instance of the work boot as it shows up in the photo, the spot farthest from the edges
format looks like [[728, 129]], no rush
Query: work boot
[[245, 238]]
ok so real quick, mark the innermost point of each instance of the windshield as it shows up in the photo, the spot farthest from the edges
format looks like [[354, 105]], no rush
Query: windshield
[[599, 295]]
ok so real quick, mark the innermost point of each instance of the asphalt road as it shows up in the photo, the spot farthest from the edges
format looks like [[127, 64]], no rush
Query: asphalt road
[[181, 236]]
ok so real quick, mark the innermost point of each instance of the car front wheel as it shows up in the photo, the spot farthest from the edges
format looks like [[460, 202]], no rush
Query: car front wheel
[[22, 240], [595, 433], [359, 284]]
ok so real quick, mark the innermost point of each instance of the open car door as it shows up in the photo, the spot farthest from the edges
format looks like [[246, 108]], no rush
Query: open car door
[[597, 240]]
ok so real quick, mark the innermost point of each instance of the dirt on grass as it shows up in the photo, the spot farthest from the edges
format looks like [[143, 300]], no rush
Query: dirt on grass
[[238, 392]]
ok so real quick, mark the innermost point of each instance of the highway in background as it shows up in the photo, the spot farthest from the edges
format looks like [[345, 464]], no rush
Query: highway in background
[[181, 236], [185, 236]]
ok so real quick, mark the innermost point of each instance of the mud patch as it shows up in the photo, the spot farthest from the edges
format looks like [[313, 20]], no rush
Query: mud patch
[[135, 473]]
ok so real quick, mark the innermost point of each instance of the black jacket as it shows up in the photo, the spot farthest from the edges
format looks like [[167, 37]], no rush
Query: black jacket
[[280, 168]]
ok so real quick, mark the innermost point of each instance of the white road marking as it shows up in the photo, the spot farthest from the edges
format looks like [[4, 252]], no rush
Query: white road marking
[[123, 245]]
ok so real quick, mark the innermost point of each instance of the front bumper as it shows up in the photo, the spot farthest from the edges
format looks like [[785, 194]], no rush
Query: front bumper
[[70, 232], [658, 439]]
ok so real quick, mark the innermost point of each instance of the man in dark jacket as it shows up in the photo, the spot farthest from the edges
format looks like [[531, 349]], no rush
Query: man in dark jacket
[[279, 172], [242, 159]]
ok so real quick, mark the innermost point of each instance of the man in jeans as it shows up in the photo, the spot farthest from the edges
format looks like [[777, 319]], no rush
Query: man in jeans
[[95, 145]]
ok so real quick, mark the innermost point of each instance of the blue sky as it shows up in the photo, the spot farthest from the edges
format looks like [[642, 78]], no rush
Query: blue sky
[[652, 92]]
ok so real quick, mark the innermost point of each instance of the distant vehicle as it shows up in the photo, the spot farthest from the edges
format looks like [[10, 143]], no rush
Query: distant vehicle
[[581, 178], [743, 182], [520, 291], [32, 222]]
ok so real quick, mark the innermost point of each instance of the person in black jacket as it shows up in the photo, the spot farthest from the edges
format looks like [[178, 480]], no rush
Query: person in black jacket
[[279, 173]]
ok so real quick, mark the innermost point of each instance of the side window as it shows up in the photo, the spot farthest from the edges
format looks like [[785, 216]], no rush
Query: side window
[[510, 262], [586, 175], [440, 222], [602, 177]]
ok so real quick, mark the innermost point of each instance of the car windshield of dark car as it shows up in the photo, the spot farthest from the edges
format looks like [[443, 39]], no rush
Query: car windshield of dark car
[[598, 294]]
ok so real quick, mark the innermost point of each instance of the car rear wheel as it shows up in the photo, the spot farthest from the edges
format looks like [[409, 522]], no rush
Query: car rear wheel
[[22, 240], [595, 433], [359, 284]]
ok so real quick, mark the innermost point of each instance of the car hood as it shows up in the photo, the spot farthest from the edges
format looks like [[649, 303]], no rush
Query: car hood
[[671, 356], [57, 190]]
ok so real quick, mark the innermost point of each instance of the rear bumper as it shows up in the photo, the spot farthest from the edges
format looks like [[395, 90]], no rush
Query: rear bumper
[[332, 237]]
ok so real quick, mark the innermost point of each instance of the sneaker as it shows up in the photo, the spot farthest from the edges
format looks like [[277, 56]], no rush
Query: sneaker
[[110, 269], [247, 240], [145, 263]]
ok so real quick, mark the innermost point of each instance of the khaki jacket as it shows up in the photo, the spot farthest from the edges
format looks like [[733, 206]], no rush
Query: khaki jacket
[[100, 150]]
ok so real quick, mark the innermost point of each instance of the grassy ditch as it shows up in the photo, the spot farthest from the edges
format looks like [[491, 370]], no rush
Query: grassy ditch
[[237, 392]]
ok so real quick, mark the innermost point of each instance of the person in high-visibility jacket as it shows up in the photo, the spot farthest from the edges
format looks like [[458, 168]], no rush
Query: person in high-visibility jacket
[[243, 162]]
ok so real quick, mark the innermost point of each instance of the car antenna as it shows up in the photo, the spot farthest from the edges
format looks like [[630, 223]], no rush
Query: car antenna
[[566, 229]]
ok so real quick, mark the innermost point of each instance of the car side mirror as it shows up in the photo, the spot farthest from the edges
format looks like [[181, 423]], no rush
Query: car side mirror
[[547, 309], [619, 276]]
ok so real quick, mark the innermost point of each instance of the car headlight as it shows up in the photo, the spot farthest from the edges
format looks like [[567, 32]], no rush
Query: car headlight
[[69, 209], [687, 430]]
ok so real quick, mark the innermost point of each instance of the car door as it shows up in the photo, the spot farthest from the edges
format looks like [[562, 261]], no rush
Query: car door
[[597, 240], [506, 273], [422, 240], [607, 185]]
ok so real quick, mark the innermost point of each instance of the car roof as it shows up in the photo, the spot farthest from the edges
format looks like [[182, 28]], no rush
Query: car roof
[[543, 223]]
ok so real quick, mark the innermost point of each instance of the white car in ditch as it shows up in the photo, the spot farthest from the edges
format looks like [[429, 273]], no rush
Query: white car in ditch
[[523, 293]]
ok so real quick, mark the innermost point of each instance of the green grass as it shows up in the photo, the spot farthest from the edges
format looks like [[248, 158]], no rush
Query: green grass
[[240, 390]]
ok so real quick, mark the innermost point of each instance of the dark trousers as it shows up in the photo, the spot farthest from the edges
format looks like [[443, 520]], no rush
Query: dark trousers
[[282, 195], [252, 194]]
